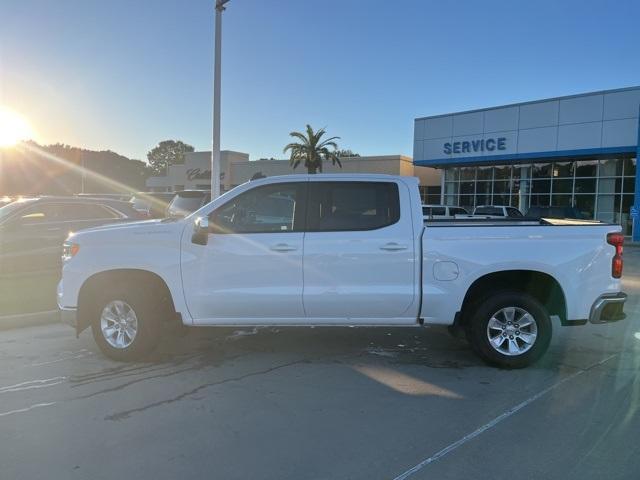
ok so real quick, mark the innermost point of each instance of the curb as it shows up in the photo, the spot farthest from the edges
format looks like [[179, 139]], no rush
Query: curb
[[8, 322]]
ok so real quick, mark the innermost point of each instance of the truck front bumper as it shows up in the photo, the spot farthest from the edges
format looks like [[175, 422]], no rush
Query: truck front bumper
[[608, 308], [69, 316]]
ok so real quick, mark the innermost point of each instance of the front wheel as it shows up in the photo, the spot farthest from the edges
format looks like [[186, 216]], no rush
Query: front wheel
[[510, 330], [125, 326]]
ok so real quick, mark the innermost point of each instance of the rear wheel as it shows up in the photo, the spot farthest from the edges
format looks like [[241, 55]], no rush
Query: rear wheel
[[126, 325], [509, 330]]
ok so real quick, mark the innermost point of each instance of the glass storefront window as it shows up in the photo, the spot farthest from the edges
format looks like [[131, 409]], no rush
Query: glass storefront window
[[541, 170], [610, 167], [540, 200], [451, 200], [451, 174], [563, 169], [560, 200], [587, 168], [483, 188], [629, 184], [585, 185], [467, 188], [468, 173], [586, 204], [466, 201], [630, 167], [483, 200], [610, 185], [608, 203], [500, 199], [501, 187], [485, 173], [451, 188], [515, 202], [598, 188], [564, 185], [502, 172], [540, 186]]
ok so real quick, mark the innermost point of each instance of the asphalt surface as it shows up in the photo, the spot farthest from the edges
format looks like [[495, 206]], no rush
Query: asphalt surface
[[322, 403]]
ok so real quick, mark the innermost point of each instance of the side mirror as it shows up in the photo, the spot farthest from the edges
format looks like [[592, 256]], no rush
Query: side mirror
[[200, 231]]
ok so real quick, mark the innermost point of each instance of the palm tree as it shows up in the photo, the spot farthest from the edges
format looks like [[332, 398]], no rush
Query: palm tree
[[312, 150]]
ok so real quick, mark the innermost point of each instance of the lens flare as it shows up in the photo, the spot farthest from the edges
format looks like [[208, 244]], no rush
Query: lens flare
[[14, 128]]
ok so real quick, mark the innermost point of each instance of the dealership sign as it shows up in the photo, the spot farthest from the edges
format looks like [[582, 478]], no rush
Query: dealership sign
[[475, 146]]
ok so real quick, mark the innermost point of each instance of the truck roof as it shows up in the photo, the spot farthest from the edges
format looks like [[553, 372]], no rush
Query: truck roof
[[337, 176]]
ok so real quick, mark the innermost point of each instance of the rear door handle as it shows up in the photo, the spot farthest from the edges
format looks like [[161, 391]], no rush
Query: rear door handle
[[283, 247], [393, 247]]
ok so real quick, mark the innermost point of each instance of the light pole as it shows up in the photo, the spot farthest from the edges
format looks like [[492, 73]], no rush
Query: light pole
[[215, 140]]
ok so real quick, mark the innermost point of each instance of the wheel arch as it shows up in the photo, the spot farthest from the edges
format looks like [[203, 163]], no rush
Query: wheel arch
[[98, 282], [542, 286]]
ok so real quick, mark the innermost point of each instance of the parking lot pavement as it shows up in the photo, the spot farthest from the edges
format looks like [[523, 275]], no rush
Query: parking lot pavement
[[322, 403]]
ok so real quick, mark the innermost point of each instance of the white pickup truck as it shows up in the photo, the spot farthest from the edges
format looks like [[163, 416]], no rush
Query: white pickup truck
[[349, 250]]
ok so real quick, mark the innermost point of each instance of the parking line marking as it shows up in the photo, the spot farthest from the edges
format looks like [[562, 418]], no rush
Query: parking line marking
[[22, 410], [31, 384], [496, 420]]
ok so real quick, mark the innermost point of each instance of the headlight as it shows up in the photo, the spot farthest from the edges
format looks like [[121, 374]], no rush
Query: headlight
[[69, 250]]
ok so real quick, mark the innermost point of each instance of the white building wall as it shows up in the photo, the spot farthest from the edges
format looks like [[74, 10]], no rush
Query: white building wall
[[599, 120]]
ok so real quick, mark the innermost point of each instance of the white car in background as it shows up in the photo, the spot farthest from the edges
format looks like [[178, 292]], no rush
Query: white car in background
[[496, 211], [435, 212]]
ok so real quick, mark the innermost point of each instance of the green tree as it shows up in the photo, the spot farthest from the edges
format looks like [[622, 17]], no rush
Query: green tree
[[312, 150], [166, 153]]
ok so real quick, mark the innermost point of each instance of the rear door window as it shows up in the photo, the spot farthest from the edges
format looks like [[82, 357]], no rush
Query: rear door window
[[514, 212], [352, 206]]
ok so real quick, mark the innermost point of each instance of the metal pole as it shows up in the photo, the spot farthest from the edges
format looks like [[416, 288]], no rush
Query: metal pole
[[215, 140]]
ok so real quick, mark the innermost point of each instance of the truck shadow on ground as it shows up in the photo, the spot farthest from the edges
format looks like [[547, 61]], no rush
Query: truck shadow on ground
[[433, 347]]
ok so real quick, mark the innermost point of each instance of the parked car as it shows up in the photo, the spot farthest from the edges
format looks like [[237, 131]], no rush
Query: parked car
[[367, 259], [32, 232], [554, 212], [496, 211], [187, 201], [152, 204], [125, 197], [442, 211]]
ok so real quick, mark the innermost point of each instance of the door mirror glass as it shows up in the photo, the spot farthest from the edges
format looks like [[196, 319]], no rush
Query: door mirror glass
[[200, 231]]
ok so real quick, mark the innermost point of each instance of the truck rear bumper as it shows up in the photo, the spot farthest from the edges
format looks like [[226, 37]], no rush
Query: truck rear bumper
[[608, 308]]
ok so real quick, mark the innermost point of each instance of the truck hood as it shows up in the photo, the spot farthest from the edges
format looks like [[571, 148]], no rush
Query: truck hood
[[129, 230]]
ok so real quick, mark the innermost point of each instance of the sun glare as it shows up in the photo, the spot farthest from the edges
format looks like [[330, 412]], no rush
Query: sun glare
[[13, 127]]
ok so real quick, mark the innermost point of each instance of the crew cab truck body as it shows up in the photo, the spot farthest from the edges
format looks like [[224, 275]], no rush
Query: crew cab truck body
[[353, 250]]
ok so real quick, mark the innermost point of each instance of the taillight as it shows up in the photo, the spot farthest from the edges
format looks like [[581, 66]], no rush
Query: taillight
[[617, 240]]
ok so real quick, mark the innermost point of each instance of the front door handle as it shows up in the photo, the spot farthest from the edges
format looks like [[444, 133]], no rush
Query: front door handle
[[393, 247], [283, 247]]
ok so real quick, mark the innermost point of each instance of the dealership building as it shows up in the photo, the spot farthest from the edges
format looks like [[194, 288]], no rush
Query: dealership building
[[236, 168], [576, 151]]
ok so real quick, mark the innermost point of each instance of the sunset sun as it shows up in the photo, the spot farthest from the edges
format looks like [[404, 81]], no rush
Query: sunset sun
[[13, 127]]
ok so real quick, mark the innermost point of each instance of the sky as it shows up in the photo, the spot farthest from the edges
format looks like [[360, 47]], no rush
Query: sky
[[126, 74]]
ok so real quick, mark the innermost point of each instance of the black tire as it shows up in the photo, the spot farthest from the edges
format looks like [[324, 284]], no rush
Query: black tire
[[149, 322], [480, 316]]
